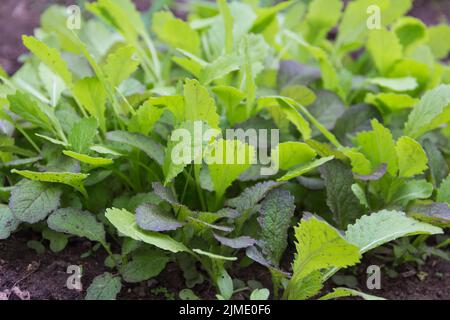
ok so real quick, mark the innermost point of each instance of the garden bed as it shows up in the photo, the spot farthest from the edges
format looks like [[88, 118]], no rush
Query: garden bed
[[44, 275]]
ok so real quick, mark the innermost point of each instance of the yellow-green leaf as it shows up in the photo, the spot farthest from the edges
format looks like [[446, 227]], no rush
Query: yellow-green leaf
[[379, 147], [199, 105], [120, 65], [227, 160], [412, 159], [176, 32], [50, 57], [125, 222], [290, 154], [95, 161], [92, 96], [385, 49], [74, 180]]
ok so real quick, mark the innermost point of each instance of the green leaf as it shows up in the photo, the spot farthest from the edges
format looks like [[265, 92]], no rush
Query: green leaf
[[275, 215], [379, 147], [175, 32], [77, 222], [220, 67], [36, 246], [53, 141], [388, 103], [439, 40], [54, 21], [410, 190], [267, 14], [443, 193], [188, 294], [231, 98], [410, 32], [308, 287], [330, 76], [322, 16], [223, 282], [152, 218], [105, 150], [90, 93], [236, 243], [145, 265], [104, 287], [437, 214], [125, 222], [122, 16], [276, 104], [360, 194], [425, 116], [120, 64], [252, 196], [385, 49], [412, 159], [51, 57], [31, 110], [305, 168], [58, 241], [32, 201], [356, 118], [344, 205], [395, 84], [82, 135], [353, 28], [374, 230], [144, 143], [199, 105], [175, 104], [8, 222], [290, 154], [319, 246], [345, 292], [94, 161], [260, 294], [183, 148], [228, 22], [53, 84], [439, 168], [145, 118], [227, 160], [301, 94], [74, 180], [327, 108], [373, 176]]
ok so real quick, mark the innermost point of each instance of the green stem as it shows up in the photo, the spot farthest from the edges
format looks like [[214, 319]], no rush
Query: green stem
[[125, 178], [154, 55], [197, 168], [22, 131]]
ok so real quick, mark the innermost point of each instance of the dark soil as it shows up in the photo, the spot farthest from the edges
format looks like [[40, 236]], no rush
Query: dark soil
[[44, 276], [21, 17], [430, 281]]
